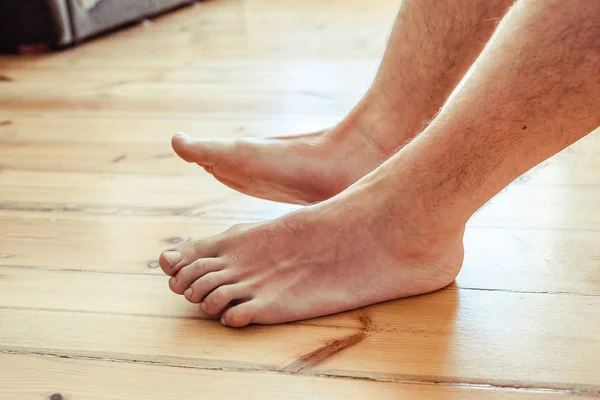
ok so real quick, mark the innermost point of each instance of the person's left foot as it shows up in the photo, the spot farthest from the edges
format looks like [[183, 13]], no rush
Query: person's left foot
[[301, 169], [350, 251]]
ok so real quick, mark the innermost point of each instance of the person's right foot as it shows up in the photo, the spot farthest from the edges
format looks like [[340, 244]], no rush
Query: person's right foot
[[303, 169], [364, 246]]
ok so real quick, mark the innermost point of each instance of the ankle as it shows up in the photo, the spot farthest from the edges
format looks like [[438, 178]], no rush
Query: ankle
[[425, 239], [375, 126], [406, 199]]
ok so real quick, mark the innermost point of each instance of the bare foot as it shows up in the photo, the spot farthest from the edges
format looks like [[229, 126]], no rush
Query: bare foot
[[302, 169], [347, 252]]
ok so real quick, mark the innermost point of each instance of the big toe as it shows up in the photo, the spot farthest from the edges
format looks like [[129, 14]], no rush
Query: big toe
[[169, 261], [173, 259], [206, 152]]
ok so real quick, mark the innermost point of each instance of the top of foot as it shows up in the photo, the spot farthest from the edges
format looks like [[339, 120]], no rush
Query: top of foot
[[303, 169]]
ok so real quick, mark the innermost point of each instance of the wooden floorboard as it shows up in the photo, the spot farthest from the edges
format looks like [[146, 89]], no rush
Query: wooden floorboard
[[169, 98], [449, 336], [90, 193], [542, 259], [519, 206], [34, 376], [118, 152], [23, 129]]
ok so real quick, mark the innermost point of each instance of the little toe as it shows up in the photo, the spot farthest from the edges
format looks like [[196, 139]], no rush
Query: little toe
[[241, 315], [207, 283], [190, 273], [219, 298]]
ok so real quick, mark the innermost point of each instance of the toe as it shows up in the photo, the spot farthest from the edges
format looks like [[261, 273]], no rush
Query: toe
[[172, 260], [219, 298], [190, 273], [241, 315], [205, 152], [206, 284]]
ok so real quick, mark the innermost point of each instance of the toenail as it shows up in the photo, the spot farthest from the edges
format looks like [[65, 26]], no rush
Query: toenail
[[188, 293], [223, 321], [172, 281], [182, 135], [172, 257], [203, 306]]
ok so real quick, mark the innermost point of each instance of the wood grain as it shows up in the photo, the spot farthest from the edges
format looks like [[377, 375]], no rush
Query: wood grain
[[126, 147], [29, 376], [449, 336], [172, 98], [90, 193], [535, 260], [24, 129], [519, 206]]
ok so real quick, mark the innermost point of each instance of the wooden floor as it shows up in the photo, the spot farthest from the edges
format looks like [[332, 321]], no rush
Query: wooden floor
[[90, 192]]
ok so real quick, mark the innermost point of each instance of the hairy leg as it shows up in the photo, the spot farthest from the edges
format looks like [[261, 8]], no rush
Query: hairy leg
[[432, 45], [536, 90], [398, 231]]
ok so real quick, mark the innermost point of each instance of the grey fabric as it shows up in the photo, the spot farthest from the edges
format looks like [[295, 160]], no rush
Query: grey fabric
[[91, 17], [60, 16]]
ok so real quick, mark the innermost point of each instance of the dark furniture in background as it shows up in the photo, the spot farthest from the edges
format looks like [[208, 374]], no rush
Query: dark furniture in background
[[27, 25]]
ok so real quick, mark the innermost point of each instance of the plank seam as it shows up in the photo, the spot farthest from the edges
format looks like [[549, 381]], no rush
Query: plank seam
[[166, 316], [93, 271], [197, 175], [199, 211], [579, 390]]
